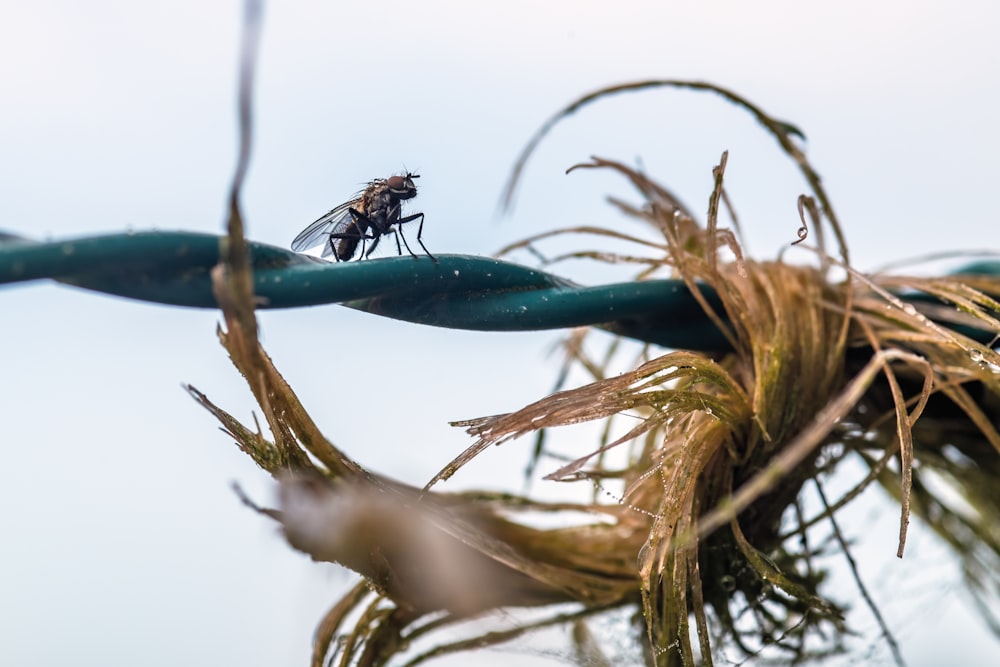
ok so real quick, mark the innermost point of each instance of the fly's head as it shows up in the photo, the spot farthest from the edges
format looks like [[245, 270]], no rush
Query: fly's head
[[402, 187]]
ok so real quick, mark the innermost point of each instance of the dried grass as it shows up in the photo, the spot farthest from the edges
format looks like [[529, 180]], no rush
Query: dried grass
[[709, 540]]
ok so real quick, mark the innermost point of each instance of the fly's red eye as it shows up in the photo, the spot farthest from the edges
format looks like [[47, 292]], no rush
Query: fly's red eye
[[396, 182]]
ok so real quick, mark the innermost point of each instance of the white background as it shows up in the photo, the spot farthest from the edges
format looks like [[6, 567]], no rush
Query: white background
[[121, 540]]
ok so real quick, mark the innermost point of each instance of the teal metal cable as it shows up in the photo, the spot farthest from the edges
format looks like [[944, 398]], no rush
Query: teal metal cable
[[462, 292]]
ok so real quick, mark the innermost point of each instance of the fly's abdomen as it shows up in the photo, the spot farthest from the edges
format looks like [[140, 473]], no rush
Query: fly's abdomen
[[346, 244]]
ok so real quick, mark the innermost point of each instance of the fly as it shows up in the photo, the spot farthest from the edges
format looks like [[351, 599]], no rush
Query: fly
[[370, 216]]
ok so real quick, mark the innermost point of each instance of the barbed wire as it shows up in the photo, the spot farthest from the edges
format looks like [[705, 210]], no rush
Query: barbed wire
[[458, 292]]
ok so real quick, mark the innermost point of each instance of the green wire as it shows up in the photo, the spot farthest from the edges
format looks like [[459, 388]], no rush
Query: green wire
[[459, 292]]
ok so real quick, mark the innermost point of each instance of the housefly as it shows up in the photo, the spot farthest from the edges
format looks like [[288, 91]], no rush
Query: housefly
[[375, 212]]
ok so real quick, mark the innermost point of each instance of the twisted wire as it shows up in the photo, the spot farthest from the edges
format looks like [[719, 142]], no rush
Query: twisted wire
[[460, 292]]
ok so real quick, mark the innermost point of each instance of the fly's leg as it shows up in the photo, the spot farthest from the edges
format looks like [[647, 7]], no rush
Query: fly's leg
[[378, 238], [380, 223], [348, 244], [420, 231], [392, 218], [375, 241], [360, 218], [399, 251]]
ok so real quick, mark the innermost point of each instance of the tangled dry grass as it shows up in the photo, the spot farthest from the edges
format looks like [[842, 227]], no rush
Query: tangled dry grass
[[709, 542]]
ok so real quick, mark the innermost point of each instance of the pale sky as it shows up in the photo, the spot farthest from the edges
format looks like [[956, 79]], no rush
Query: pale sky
[[123, 543]]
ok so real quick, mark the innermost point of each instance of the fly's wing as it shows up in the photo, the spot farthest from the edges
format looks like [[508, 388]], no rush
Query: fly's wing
[[334, 222]]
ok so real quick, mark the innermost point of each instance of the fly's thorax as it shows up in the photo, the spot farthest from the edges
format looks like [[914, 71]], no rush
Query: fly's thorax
[[374, 196], [380, 205]]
